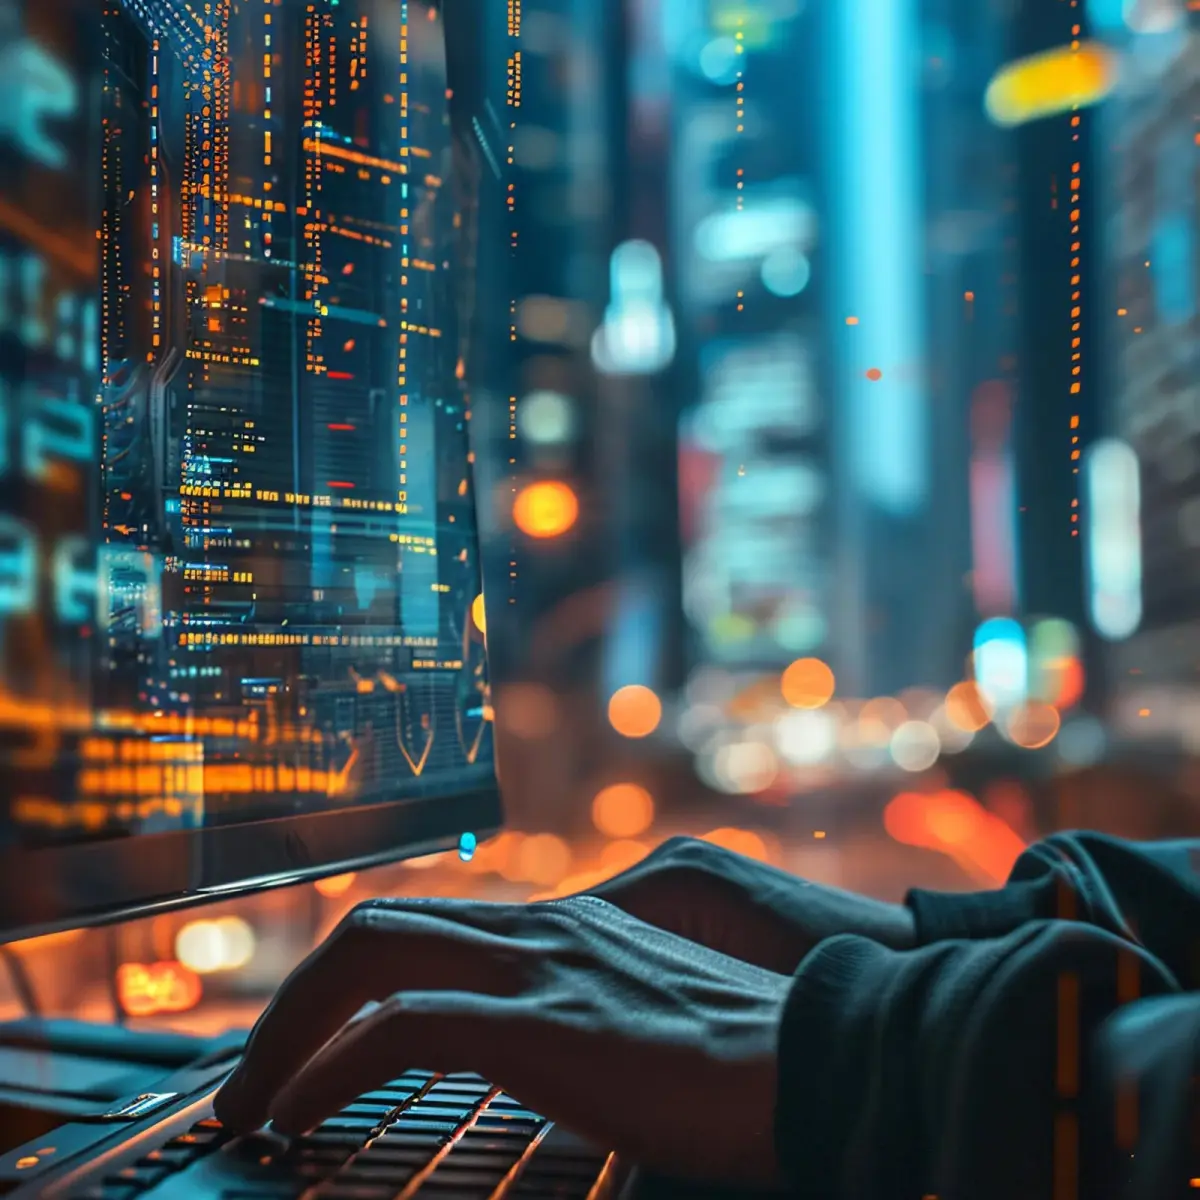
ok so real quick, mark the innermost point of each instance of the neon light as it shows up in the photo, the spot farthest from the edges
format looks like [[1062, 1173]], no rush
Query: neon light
[[877, 238], [1114, 539]]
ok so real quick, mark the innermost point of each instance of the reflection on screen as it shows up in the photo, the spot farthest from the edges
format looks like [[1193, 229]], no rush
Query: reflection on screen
[[238, 568]]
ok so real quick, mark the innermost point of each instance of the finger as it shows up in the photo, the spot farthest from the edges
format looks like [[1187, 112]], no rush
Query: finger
[[380, 949], [434, 1031]]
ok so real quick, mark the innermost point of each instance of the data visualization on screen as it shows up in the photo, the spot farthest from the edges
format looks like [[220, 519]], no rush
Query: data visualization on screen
[[240, 556]]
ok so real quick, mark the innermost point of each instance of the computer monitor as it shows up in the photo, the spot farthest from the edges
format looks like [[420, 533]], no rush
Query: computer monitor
[[241, 625]]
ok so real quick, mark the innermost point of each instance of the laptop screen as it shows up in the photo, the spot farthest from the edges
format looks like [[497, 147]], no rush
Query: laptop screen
[[239, 568]]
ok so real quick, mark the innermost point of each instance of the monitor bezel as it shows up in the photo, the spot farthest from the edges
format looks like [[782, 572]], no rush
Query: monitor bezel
[[93, 883]]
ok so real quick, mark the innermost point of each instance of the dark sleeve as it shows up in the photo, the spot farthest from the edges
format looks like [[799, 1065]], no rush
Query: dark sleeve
[[1145, 892], [987, 1069]]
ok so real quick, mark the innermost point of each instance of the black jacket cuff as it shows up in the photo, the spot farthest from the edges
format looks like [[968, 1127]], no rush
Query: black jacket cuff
[[941, 916]]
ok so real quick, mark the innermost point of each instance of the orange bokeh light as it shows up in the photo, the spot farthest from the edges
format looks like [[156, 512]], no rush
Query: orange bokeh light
[[623, 810], [874, 374], [1066, 678], [623, 854], [335, 885], [808, 683], [542, 859], [545, 510], [955, 824], [740, 841], [967, 707], [145, 989], [634, 711], [1033, 726], [479, 615]]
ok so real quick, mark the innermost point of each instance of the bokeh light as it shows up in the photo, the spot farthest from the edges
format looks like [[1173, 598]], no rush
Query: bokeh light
[[1057, 81], [209, 946], [786, 272], [546, 418], [865, 742], [886, 709], [335, 885], [545, 510], [634, 711], [623, 810], [967, 707], [621, 855], [808, 683], [1081, 742], [542, 859], [806, 737], [915, 746], [479, 615], [741, 841], [953, 737], [744, 767], [956, 824], [1032, 726]]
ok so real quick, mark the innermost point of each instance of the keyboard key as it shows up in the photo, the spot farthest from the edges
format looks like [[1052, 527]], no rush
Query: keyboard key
[[140, 1177], [423, 1123], [357, 1125], [527, 1189], [575, 1168], [459, 1089], [391, 1097], [284, 1189], [332, 1137], [484, 1160], [403, 1156], [446, 1176], [109, 1191], [174, 1158], [441, 1102], [379, 1172], [453, 1193], [476, 1142], [428, 1140], [202, 1139], [336, 1190], [366, 1108]]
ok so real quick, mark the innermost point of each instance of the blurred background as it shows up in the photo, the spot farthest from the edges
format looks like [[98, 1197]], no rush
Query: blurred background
[[841, 504]]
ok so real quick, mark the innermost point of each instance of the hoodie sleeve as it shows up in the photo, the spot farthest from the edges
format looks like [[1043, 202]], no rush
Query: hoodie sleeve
[[1011, 1054], [1147, 893]]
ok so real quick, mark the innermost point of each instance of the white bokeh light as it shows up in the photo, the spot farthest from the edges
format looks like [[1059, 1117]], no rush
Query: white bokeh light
[[915, 746]]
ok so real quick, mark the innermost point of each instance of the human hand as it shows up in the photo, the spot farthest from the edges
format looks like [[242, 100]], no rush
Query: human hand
[[632, 1037], [745, 908]]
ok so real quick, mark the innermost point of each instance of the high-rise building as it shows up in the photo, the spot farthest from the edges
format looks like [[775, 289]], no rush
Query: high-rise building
[[1144, 582]]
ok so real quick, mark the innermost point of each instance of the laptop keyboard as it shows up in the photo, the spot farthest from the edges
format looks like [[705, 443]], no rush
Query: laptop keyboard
[[444, 1137]]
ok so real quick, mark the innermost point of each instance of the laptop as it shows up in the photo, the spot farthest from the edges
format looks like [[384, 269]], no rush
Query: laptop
[[249, 261]]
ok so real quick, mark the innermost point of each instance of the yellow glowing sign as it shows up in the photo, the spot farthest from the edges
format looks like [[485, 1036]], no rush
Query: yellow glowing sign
[[1056, 81], [162, 987]]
